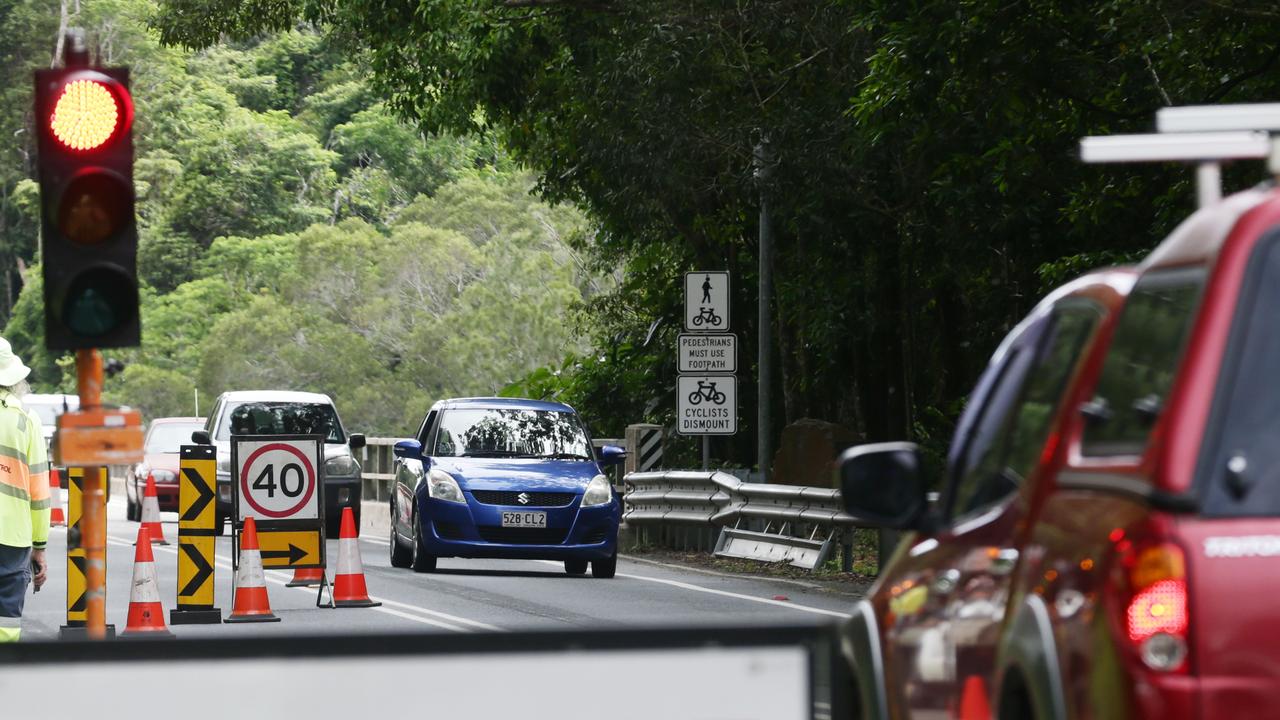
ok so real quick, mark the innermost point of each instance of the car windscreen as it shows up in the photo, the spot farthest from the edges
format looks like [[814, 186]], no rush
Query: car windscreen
[[1144, 355], [169, 437], [282, 418], [500, 432], [47, 412]]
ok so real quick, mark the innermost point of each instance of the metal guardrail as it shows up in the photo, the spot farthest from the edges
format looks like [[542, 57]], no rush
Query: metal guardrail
[[776, 523]]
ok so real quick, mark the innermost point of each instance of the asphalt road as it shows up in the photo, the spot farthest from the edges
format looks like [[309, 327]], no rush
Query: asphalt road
[[462, 596]]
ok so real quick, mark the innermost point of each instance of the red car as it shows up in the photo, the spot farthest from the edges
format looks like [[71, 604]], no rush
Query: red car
[[1105, 542], [165, 436]]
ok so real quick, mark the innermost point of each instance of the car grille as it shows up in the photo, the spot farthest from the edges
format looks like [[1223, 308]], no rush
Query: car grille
[[523, 536], [536, 499], [447, 531]]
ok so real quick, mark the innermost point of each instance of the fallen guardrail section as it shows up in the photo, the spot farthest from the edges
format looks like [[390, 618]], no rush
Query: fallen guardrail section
[[755, 521]]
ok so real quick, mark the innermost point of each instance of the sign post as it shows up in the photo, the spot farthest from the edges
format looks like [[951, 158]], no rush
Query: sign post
[[278, 480], [707, 389], [197, 534]]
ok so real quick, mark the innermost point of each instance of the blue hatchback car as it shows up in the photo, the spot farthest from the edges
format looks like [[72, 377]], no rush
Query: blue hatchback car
[[504, 478]]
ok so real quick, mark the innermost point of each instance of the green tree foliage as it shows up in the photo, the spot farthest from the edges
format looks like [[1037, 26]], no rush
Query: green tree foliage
[[296, 234], [924, 185]]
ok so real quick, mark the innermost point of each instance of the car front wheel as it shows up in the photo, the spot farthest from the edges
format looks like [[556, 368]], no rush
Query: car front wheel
[[606, 568], [422, 562]]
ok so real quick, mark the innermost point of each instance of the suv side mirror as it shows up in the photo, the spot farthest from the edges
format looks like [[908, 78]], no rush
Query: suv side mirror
[[411, 449], [611, 455], [201, 437], [355, 441], [880, 484]]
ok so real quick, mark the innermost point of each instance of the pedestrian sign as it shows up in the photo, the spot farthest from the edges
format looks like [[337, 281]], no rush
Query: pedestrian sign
[[707, 405], [706, 301]]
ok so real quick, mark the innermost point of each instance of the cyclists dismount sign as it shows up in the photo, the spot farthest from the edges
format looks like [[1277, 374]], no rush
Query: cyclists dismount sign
[[707, 405]]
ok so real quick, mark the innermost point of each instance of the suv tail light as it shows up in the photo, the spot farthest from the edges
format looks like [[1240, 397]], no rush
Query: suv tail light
[[1149, 586]]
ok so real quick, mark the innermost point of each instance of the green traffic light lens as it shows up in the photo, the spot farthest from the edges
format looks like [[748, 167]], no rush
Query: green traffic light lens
[[99, 301]]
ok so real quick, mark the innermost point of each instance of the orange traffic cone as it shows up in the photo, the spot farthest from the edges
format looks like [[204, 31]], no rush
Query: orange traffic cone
[[973, 700], [251, 602], [146, 614], [56, 517], [348, 580], [151, 512], [306, 577]]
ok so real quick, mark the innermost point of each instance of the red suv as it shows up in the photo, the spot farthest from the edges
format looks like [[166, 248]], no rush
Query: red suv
[[1106, 543]]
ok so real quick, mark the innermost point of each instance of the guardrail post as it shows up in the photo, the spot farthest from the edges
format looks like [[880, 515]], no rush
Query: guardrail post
[[644, 443]]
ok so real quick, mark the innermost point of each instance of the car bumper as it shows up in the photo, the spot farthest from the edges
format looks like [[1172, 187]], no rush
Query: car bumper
[[475, 530], [167, 497], [338, 493]]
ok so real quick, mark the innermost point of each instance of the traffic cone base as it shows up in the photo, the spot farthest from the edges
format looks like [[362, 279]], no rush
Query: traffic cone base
[[146, 614], [349, 589], [252, 604], [151, 513], [306, 578]]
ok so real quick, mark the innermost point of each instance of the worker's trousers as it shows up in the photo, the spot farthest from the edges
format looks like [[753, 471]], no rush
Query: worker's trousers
[[15, 575]]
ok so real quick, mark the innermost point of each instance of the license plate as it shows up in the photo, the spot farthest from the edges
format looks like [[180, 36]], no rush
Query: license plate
[[524, 519]]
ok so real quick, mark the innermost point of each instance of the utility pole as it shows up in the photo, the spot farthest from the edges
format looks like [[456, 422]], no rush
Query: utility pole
[[763, 161]]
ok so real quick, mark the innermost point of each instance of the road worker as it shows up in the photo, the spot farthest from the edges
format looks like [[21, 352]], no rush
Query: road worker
[[24, 495]]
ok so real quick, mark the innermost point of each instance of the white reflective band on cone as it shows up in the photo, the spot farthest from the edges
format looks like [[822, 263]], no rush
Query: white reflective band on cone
[[145, 589], [250, 574], [150, 509], [348, 557]]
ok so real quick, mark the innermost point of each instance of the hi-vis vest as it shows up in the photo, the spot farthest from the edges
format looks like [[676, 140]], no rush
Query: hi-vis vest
[[24, 477]]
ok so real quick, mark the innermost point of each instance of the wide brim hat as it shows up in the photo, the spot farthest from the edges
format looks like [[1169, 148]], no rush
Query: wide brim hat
[[12, 369]]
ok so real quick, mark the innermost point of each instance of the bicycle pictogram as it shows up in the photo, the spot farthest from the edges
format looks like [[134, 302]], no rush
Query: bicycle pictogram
[[707, 315], [706, 391]]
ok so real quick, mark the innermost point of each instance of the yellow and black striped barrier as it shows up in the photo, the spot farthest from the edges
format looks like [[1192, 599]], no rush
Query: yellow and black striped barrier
[[197, 535], [77, 599]]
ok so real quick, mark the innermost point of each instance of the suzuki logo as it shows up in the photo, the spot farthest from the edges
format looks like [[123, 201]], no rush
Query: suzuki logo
[[523, 498]]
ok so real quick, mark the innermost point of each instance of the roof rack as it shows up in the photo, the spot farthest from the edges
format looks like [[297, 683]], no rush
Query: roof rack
[[1207, 135]]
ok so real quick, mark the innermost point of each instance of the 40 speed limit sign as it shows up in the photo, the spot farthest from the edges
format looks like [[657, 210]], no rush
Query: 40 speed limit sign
[[278, 477]]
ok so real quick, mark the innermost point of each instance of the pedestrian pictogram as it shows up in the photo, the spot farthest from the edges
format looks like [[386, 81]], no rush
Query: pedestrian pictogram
[[706, 301], [707, 405], [197, 528]]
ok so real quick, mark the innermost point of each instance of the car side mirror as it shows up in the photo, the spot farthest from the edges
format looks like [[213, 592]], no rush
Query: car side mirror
[[611, 455], [881, 484], [411, 449], [201, 437], [355, 441]]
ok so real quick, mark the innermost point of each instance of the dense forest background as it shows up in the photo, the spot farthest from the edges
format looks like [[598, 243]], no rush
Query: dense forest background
[[336, 192]]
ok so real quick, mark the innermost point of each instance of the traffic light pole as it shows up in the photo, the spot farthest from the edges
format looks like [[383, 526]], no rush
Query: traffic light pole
[[94, 518]]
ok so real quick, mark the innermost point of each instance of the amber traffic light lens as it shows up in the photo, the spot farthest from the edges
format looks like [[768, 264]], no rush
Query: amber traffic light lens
[[85, 116], [93, 208]]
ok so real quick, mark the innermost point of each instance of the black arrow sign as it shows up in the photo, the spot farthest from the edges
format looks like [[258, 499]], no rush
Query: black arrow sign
[[204, 492], [294, 553], [203, 570]]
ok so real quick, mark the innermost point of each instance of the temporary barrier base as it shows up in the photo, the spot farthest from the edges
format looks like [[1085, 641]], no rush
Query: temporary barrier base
[[80, 632], [195, 617]]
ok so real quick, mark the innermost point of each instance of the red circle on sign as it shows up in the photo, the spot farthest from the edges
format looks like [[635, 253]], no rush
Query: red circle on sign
[[306, 464]]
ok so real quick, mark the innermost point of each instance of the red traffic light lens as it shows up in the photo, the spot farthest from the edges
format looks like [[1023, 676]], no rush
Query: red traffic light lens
[[86, 115]]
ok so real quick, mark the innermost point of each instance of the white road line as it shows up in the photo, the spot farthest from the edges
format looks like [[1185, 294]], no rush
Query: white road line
[[427, 616], [725, 593]]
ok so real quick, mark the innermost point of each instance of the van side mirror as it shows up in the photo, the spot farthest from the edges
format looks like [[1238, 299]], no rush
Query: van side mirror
[[355, 441], [201, 437], [881, 484], [611, 455], [411, 449]]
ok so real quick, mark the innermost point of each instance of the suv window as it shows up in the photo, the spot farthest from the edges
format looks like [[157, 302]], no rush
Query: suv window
[[1142, 360], [281, 418], [1241, 457], [1011, 433]]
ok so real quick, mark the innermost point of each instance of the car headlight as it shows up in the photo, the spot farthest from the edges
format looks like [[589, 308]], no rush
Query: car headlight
[[598, 492], [442, 486], [342, 465], [164, 476]]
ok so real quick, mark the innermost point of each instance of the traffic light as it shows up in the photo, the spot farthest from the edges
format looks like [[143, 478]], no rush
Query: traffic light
[[84, 120]]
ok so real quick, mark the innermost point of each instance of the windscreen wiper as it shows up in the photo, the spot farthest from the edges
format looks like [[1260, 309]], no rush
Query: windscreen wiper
[[490, 453], [566, 456]]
